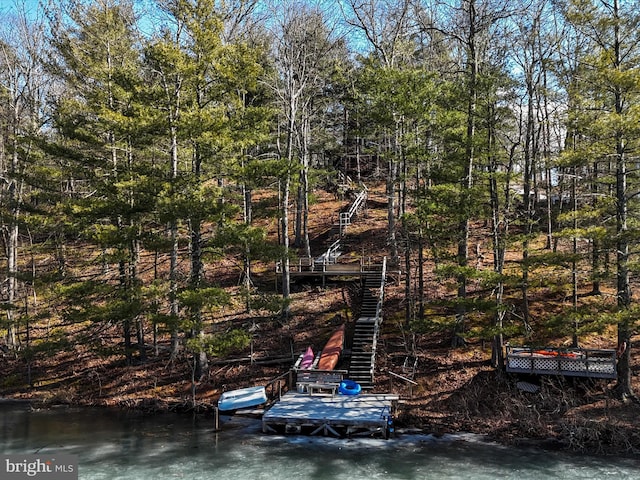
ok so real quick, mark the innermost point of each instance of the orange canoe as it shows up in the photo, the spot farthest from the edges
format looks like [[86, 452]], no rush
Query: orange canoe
[[331, 351]]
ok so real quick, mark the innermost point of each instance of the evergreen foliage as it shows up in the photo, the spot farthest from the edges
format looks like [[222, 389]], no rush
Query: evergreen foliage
[[136, 160]]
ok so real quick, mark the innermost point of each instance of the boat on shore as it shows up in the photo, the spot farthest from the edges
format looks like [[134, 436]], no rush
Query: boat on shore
[[307, 359], [242, 398], [332, 350]]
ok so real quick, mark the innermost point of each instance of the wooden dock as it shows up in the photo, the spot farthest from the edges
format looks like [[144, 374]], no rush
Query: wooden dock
[[331, 415]]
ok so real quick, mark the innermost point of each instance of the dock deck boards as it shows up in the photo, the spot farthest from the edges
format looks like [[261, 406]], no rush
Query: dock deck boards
[[330, 414]]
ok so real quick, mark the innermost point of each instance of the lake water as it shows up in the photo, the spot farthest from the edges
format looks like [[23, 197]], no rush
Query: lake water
[[115, 445]]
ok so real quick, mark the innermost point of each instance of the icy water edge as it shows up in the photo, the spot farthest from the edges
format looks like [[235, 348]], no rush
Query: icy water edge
[[123, 445]]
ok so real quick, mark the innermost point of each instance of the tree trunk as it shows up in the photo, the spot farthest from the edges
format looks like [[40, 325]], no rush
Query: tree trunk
[[421, 275], [14, 201], [407, 287], [391, 196], [595, 243], [304, 184], [467, 181], [286, 276], [197, 271], [246, 258], [528, 201], [497, 359], [173, 264], [201, 360], [284, 218], [625, 329], [500, 224]]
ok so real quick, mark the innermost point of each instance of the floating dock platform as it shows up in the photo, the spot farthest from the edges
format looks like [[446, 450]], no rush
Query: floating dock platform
[[331, 415]]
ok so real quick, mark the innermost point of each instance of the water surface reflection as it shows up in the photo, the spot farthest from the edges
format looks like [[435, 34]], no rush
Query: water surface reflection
[[123, 445]]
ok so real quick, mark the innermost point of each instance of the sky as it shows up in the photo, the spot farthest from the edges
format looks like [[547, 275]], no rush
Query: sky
[[31, 6], [12, 6], [9, 8], [33, 10]]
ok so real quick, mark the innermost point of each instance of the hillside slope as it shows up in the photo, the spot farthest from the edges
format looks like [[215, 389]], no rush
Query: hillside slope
[[457, 389]]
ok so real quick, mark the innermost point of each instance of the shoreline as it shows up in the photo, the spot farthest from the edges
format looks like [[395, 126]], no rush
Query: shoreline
[[402, 434], [128, 446]]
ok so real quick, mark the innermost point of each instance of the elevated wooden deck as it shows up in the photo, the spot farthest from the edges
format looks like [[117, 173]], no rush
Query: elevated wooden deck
[[331, 414], [326, 264], [552, 361], [307, 267]]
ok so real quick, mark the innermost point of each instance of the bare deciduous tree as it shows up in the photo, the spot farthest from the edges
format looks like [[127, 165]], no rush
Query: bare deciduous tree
[[23, 87]]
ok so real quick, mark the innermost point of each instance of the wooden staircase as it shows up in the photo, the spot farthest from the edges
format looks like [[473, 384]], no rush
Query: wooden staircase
[[363, 347], [338, 230], [346, 218], [365, 337]]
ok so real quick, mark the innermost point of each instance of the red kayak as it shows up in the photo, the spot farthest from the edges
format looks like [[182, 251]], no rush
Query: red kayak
[[332, 350]]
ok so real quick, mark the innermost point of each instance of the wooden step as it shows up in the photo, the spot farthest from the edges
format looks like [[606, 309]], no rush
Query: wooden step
[[364, 339], [361, 356], [362, 349], [361, 361], [361, 365]]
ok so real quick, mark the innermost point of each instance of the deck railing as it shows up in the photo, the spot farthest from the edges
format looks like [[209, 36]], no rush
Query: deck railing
[[277, 386], [307, 265], [579, 362], [408, 381]]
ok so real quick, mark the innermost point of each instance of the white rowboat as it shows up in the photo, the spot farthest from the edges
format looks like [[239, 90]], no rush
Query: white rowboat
[[242, 398]]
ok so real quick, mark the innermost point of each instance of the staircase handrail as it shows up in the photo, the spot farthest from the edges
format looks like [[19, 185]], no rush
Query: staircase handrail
[[328, 256], [344, 178], [345, 217], [359, 200], [381, 291]]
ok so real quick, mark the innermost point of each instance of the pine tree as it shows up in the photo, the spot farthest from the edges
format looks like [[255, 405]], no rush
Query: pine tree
[[612, 94], [96, 56], [200, 89]]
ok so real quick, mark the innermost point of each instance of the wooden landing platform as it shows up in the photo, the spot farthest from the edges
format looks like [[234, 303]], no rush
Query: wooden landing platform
[[328, 273], [308, 267], [335, 415]]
